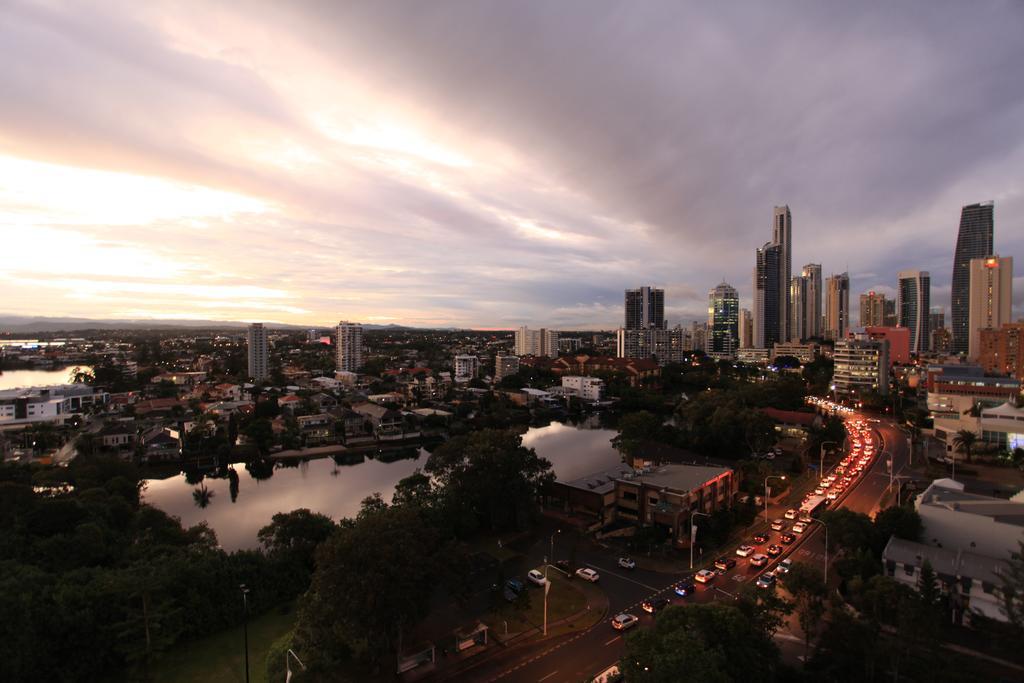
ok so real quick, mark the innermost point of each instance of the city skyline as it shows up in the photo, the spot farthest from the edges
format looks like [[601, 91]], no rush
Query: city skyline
[[299, 189]]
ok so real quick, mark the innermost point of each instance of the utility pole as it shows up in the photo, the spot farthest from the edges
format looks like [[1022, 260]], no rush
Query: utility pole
[[693, 532], [245, 604]]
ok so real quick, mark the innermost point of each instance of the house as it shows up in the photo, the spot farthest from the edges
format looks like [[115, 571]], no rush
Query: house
[[970, 579], [117, 436], [636, 370], [159, 446], [227, 392], [353, 425], [289, 403], [793, 423], [317, 429], [323, 402], [387, 423]]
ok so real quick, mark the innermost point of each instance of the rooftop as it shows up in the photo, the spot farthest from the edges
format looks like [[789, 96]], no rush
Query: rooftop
[[679, 477], [949, 496], [948, 564], [600, 482]]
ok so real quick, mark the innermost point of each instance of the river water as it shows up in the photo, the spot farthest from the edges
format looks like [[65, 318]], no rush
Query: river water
[[15, 379], [337, 490]]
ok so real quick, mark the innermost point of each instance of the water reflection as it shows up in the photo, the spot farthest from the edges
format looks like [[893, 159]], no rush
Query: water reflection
[[16, 379], [336, 486]]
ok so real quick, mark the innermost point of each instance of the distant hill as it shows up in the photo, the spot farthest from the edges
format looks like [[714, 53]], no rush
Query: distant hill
[[17, 324]]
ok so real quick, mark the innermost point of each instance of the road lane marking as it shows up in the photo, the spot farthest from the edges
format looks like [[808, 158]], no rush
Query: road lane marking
[[612, 641], [625, 578], [539, 680]]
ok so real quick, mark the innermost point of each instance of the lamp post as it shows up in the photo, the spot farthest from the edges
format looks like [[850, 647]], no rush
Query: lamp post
[[245, 622], [692, 534], [823, 525], [773, 476], [552, 555], [291, 653], [821, 450], [547, 587]]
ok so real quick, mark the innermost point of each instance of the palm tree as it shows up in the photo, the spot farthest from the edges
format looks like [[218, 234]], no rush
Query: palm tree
[[964, 441], [202, 496]]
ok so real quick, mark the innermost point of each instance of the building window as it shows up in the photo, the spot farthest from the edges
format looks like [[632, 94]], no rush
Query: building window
[[909, 569], [651, 500], [629, 495]]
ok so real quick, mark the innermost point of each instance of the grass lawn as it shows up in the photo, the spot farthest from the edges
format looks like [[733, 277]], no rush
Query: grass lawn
[[564, 599], [219, 658]]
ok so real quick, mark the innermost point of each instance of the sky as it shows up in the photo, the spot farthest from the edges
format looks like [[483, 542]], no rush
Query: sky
[[490, 164]]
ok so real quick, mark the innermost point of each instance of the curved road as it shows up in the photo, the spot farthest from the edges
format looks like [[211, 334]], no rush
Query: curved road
[[576, 657]]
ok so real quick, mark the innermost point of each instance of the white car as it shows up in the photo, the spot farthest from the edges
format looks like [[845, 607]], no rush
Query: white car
[[799, 528], [744, 550], [627, 563], [790, 514], [766, 580], [536, 577], [623, 621], [778, 524], [759, 560], [784, 566], [588, 574], [704, 576]]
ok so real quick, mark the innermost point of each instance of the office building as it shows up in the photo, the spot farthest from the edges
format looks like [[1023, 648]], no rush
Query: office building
[[465, 367], [665, 346], [861, 365], [812, 295], [1002, 350], [890, 318], [872, 310], [913, 300], [782, 234], [974, 240], [805, 353], [645, 309], [505, 366], [937, 318], [899, 341], [699, 336], [768, 289], [55, 403], [723, 320], [746, 329], [349, 346], [542, 342], [837, 306], [991, 293], [798, 309], [257, 340], [941, 341], [953, 390]]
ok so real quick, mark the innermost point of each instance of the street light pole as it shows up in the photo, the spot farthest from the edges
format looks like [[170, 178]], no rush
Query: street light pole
[[552, 555], [692, 535], [823, 525], [245, 627], [773, 476], [821, 450]]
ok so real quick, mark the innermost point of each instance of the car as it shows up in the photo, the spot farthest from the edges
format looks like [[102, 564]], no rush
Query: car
[[784, 566], [655, 605], [536, 577], [820, 491], [759, 560], [512, 589], [766, 580], [744, 550], [565, 567], [624, 621], [627, 563], [787, 538], [760, 538], [774, 550], [684, 588], [725, 563], [704, 576], [588, 574], [799, 528], [832, 494], [778, 524]]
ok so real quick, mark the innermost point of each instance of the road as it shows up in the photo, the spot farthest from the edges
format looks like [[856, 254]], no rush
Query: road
[[577, 656]]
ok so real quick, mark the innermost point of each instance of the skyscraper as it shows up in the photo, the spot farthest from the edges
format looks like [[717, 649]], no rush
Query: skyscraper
[[837, 306], [812, 273], [872, 310], [974, 240], [542, 342], [768, 283], [798, 309], [913, 301], [257, 339], [746, 329], [723, 320], [991, 280], [782, 234], [350, 346], [645, 309]]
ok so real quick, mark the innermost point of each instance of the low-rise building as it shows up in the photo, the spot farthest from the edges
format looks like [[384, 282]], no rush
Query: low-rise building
[[55, 403], [961, 521], [793, 423], [316, 429], [753, 356], [589, 389], [898, 338], [805, 353]]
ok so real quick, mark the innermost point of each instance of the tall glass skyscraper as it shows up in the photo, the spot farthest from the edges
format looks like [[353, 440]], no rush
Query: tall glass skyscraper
[[768, 290], [973, 241], [913, 300], [723, 319]]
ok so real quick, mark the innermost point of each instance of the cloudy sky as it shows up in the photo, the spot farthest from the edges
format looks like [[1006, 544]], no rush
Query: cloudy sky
[[490, 164]]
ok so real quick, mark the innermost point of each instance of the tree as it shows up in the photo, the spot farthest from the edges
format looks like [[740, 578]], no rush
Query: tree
[[900, 522], [368, 588], [261, 433], [964, 441], [295, 536], [489, 478], [703, 642], [807, 586], [635, 429], [202, 496]]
